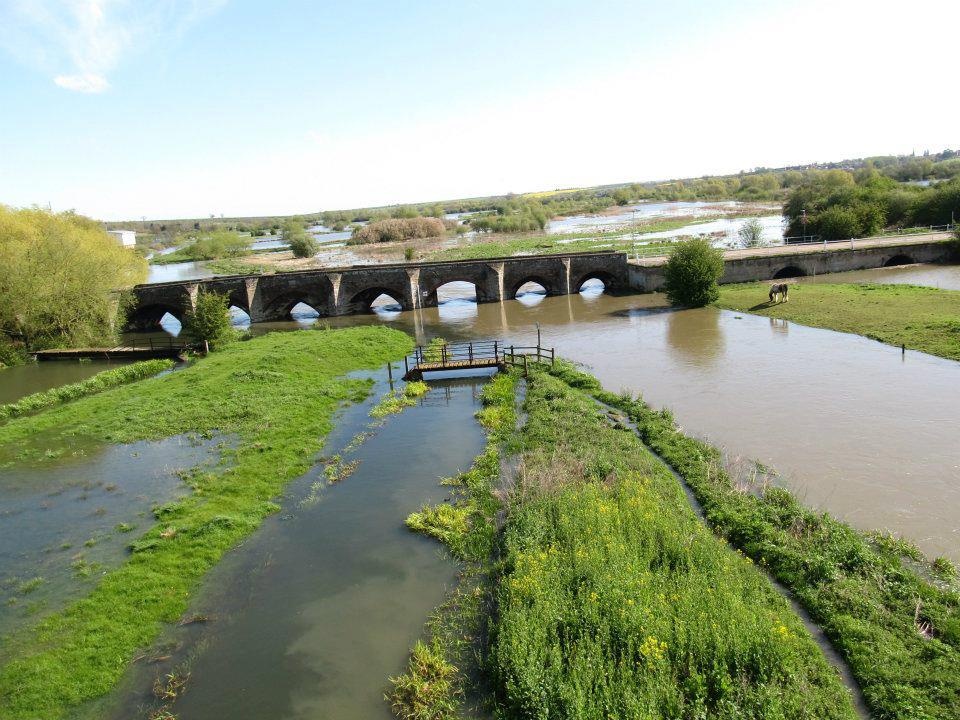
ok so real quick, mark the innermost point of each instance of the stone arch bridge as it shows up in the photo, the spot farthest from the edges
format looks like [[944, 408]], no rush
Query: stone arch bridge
[[351, 290]]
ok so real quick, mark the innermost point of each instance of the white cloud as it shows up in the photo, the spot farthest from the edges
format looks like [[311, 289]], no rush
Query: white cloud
[[87, 83], [79, 43]]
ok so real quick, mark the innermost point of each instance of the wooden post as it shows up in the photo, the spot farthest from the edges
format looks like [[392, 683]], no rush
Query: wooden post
[[390, 372], [470, 350], [406, 366], [443, 354], [525, 371]]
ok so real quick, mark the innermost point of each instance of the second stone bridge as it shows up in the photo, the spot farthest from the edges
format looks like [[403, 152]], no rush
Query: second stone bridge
[[349, 290]]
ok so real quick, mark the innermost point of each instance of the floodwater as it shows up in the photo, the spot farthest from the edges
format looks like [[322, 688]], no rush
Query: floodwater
[[311, 615], [61, 525], [642, 211], [175, 272], [33, 377], [725, 230], [852, 426]]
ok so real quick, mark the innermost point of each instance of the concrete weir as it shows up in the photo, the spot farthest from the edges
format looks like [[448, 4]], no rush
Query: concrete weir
[[352, 290]]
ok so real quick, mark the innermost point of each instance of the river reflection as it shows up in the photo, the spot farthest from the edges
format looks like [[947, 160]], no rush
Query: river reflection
[[853, 427]]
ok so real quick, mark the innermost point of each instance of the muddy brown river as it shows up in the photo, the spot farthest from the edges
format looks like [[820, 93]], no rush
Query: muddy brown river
[[852, 426]]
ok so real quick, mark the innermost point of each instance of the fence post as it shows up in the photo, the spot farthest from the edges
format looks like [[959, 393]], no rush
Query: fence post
[[525, 371], [443, 354], [470, 351], [406, 366]]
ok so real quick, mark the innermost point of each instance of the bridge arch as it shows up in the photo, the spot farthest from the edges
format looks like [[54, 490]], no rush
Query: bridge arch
[[239, 315], [362, 302], [431, 296], [281, 306], [790, 271], [899, 259], [148, 317], [548, 287], [607, 279]]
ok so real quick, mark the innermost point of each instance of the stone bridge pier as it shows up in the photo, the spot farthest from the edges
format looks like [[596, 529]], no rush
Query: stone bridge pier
[[352, 290]]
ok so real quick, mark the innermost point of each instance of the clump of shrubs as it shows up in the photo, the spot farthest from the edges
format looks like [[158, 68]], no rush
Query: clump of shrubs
[[398, 229], [692, 273]]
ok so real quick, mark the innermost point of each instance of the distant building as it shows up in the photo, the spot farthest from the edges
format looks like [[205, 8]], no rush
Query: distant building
[[124, 238]]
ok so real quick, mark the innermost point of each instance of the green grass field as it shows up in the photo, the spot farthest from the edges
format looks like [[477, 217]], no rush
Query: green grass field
[[612, 599], [277, 396], [921, 318]]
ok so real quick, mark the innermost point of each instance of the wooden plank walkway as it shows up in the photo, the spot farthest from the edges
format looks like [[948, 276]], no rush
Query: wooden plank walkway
[[139, 351]]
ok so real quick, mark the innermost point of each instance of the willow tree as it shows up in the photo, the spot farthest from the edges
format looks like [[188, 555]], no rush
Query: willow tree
[[60, 274]]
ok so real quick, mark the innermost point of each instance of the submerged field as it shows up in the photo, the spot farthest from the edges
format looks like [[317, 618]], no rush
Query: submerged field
[[276, 397], [921, 318]]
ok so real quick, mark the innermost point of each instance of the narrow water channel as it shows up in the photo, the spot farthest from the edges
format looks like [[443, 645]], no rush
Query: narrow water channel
[[22, 380], [313, 613]]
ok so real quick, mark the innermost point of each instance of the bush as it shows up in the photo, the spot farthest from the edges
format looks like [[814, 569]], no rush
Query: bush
[[692, 273], [838, 223], [209, 321], [302, 244], [751, 234], [398, 229]]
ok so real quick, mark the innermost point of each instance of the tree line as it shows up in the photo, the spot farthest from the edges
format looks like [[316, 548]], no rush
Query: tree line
[[59, 280]]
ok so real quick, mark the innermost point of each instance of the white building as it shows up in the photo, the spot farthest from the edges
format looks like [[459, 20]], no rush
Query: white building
[[124, 238]]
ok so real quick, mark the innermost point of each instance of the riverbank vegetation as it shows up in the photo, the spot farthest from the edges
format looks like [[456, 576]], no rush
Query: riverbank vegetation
[[273, 398], [397, 230], [59, 277], [892, 615], [302, 244], [837, 204], [692, 273], [206, 246], [98, 383], [920, 318], [209, 322], [606, 596]]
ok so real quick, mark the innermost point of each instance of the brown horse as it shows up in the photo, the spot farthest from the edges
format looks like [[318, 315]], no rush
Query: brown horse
[[779, 292]]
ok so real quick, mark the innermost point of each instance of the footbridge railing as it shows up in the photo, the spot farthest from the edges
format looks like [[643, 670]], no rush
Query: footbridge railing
[[442, 357]]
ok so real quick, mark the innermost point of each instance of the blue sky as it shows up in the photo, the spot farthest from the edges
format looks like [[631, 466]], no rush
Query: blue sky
[[181, 108]]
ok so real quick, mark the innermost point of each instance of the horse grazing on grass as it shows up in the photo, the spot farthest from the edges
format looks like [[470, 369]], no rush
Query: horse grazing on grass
[[779, 292]]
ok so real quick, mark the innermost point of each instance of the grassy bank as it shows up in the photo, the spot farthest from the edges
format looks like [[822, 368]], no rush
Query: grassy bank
[[74, 391], [611, 598], [893, 616], [276, 395], [921, 318]]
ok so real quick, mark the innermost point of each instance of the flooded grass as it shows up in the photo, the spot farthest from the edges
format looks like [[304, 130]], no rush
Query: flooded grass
[[612, 600], [875, 596], [920, 318], [396, 400], [277, 394]]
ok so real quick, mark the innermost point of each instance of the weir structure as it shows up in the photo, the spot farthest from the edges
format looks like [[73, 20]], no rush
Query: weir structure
[[352, 290]]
